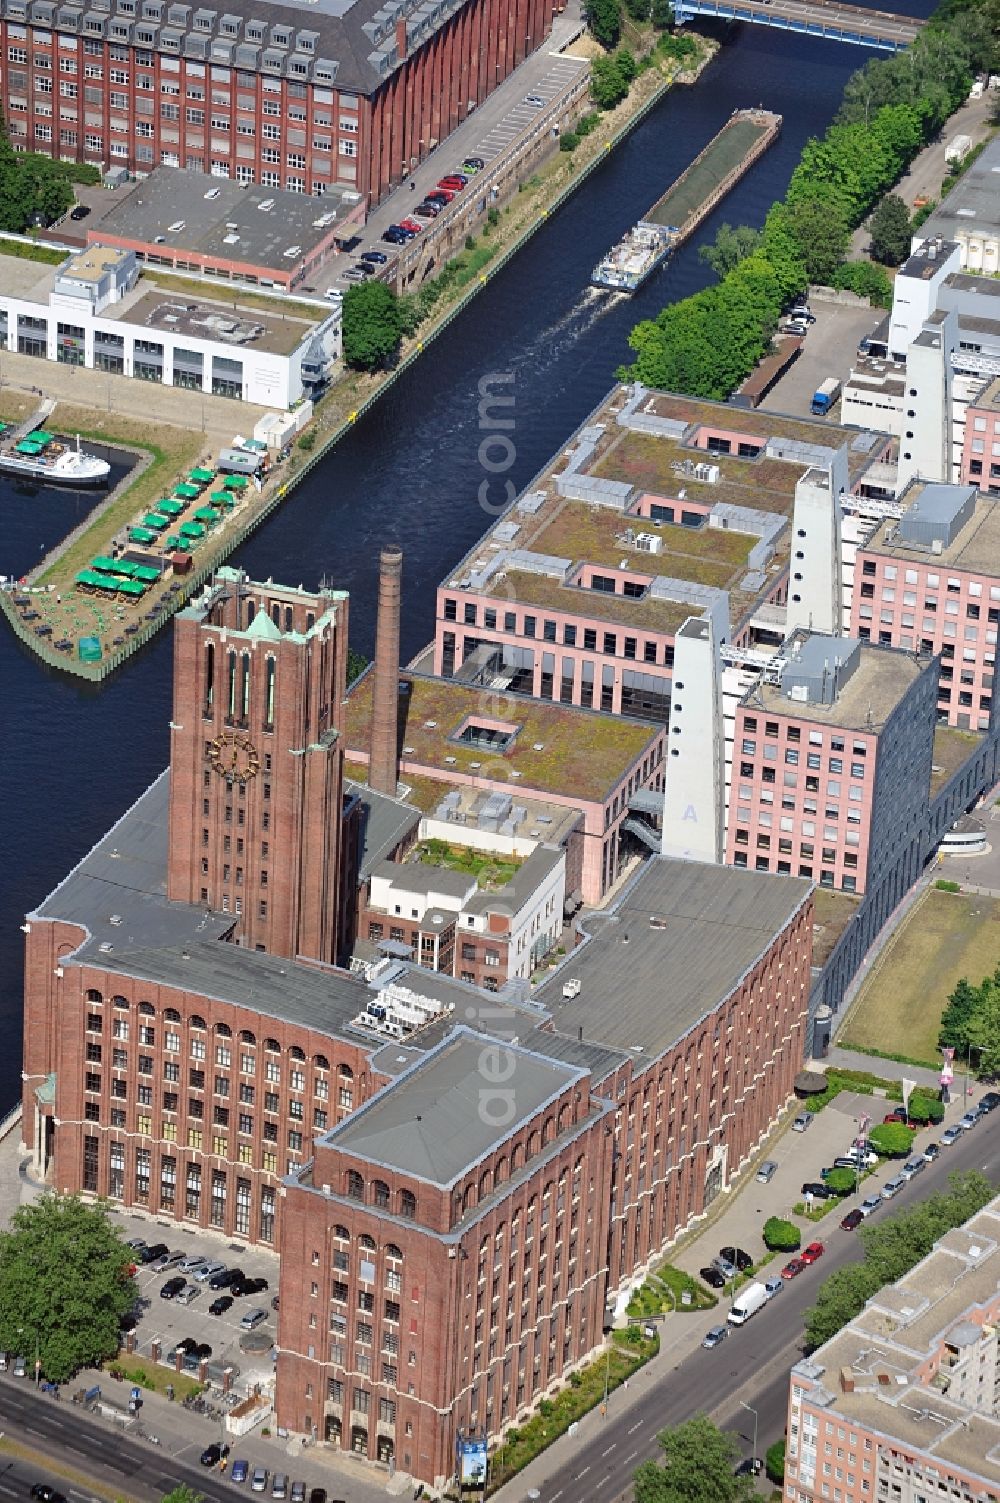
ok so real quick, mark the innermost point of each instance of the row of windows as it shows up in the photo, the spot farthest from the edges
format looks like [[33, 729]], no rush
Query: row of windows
[[652, 651], [164, 1195], [378, 1194]]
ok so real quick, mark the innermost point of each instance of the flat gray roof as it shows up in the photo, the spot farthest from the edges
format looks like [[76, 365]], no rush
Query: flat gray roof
[[514, 894], [207, 207], [972, 205], [385, 823], [433, 1122], [678, 943], [421, 877]]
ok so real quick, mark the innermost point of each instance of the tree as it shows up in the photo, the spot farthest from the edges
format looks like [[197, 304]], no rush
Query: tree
[[819, 227], [182, 1494], [661, 13], [954, 1032], [924, 1109], [608, 83], [729, 248], [373, 325], [604, 18], [637, 10], [892, 1140], [840, 1298], [356, 665], [841, 1181], [890, 231], [64, 1284], [781, 1236], [984, 1031], [774, 1463], [697, 1467]]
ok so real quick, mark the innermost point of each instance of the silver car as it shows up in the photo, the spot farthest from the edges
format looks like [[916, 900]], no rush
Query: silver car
[[766, 1172], [208, 1271], [192, 1263]]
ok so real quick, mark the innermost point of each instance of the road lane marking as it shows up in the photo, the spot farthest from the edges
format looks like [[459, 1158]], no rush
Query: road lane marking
[[630, 1457], [610, 1449], [634, 1428], [583, 1473]]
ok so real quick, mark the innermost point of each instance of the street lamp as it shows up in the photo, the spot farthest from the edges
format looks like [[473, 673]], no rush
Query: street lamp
[[752, 1411]]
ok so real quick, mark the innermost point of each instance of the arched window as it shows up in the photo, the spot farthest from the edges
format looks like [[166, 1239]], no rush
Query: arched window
[[223, 1030], [272, 1046], [171, 1015], [563, 1117], [380, 1194], [196, 1022], [549, 1130], [346, 1072], [269, 673], [532, 1146], [295, 1052], [147, 1009], [231, 697], [516, 1157], [289, 618], [500, 1174], [341, 1234], [366, 1243], [321, 1062], [246, 1037], [484, 1184], [394, 1252], [245, 695], [355, 1185], [469, 1198], [93, 995], [209, 676], [122, 1002]]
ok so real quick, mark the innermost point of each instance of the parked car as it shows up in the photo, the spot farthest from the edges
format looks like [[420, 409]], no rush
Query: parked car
[[317, 1495], [713, 1278], [258, 1479], [869, 1204], [469, 169], [442, 196], [191, 1264], [802, 314], [172, 1288], [792, 1268], [334, 294], [221, 1305], [535, 100], [150, 1254], [374, 256], [727, 1269], [969, 1120], [852, 1220], [912, 1167], [352, 274], [895, 1117], [736, 1255], [802, 1122], [213, 1454], [453, 184], [932, 1151], [715, 1336], [773, 1286], [766, 1172], [225, 1277], [136, 1244], [990, 1101], [476, 162], [812, 1253], [298, 1493], [188, 1294], [279, 1485], [817, 1189], [42, 1490], [238, 1471], [394, 236], [364, 267], [892, 1188], [413, 225], [80, 212], [950, 1135], [750, 1466], [428, 211], [167, 1260], [252, 1319], [207, 1271]]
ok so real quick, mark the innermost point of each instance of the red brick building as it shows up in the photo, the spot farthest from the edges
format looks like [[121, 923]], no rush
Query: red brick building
[[284, 96]]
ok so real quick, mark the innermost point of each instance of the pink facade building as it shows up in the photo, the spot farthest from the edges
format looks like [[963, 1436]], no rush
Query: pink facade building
[[900, 1406], [831, 764], [980, 464], [930, 582]]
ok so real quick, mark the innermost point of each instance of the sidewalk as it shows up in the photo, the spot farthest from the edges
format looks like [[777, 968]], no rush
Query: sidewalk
[[873, 1064]]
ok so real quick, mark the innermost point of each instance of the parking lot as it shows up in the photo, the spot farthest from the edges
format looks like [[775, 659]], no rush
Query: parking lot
[[188, 1317], [830, 349]]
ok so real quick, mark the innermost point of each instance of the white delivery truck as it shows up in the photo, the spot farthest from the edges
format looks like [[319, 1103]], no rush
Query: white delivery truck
[[747, 1303]]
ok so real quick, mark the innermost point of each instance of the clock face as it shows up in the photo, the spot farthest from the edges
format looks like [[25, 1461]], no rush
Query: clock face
[[234, 756]]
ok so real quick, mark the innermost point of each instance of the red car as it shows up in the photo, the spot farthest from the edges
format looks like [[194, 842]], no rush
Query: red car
[[811, 1253], [413, 225], [440, 195], [852, 1221], [897, 1117], [451, 184], [792, 1269]]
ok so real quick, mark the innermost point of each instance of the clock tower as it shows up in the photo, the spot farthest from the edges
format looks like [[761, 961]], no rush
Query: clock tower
[[256, 763]]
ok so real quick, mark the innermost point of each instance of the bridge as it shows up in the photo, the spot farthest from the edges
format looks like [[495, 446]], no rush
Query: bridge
[[817, 18]]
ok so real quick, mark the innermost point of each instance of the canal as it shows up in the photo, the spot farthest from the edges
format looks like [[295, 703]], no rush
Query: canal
[[75, 756]]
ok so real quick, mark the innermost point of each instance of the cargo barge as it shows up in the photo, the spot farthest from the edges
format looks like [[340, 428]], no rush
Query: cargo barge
[[745, 136]]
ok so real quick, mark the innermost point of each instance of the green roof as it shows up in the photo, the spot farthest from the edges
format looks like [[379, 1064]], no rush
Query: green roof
[[141, 535], [124, 568], [101, 562], [206, 514], [186, 492], [236, 482], [89, 649], [155, 521], [193, 530], [201, 477], [27, 447], [145, 573], [170, 508], [221, 498], [131, 587], [94, 581], [41, 437]]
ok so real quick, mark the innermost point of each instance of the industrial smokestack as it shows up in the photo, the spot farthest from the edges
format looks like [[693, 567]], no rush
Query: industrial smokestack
[[383, 770]]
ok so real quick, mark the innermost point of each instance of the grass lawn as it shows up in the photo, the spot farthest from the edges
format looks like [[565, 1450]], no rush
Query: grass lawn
[[155, 1377], [489, 871], [945, 937], [662, 1291]]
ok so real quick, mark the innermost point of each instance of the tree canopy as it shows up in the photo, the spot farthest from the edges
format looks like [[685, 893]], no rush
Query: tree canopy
[[30, 185], [970, 1024], [373, 325], [604, 20], [729, 248], [891, 1248], [890, 231], [891, 1139], [64, 1285], [697, 1467]]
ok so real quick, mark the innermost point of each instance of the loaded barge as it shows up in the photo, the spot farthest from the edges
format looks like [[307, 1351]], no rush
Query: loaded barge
[[745, 136]]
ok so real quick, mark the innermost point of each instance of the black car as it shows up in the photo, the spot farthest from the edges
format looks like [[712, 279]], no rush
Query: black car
[[202, 1351], [394, 236], [226, 1278], [990, 1101], [735, 1255], [817, 1190], [476, 162], [365, 267], [427, 211], [172, 1288], [47, 1494], [376, 257], [318, 1495], [221, 1305], [852, 1220], [80, 212], [752, 1466], [713, 1277], [186, 1344], [150, 1254], [213, 1454]]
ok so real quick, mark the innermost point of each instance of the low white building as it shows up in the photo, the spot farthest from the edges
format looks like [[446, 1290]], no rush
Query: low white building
[[95, 311]]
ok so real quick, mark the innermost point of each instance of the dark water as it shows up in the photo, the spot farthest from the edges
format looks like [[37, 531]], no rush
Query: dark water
[[36, 517], [73, 757]]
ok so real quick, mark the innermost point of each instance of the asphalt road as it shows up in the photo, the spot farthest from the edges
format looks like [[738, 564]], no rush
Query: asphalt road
[[751, 1365]]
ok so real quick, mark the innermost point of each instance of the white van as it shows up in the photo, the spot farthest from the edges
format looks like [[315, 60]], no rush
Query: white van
[[749, 1300]]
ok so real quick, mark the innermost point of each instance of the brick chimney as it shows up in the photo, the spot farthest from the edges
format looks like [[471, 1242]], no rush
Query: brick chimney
[[383, 768], [401, 38]]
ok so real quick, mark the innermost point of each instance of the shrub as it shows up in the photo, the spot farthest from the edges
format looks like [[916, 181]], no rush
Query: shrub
[[943, 884], [307, 440], [925, 1109], [774, 1463], [893, 1140], [781, 1236], [587, 123], [569, 141], [841, 1181], [493, 218]]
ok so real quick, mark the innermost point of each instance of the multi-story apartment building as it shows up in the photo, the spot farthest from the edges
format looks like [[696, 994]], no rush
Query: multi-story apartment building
[[666, 508], [832, 764], [284, 95], [902, 1406], [453, 1245], [928, 580], [980, 462]]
